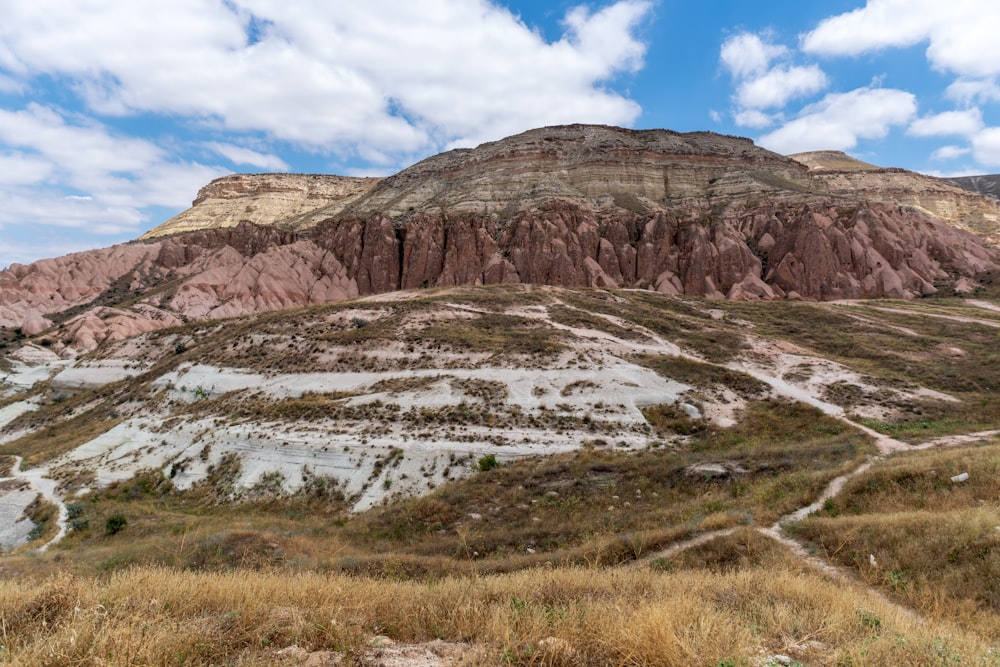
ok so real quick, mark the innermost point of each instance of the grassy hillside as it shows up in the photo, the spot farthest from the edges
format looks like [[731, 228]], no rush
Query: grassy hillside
[[601, 470]]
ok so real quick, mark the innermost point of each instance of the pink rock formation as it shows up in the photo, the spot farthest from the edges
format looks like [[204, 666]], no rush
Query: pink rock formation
[[696, 214]]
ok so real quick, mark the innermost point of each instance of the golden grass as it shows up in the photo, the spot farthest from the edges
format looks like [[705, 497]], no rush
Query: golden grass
[[936, 543], [541, 617], [48, 442]]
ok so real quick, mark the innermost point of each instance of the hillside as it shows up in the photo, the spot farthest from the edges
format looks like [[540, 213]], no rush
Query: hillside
[[582, 396], [945, 199], [494, 429], [288, 201], [984, 185]]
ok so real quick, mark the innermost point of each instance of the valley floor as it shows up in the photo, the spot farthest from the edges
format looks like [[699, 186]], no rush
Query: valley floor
[[469, 467]]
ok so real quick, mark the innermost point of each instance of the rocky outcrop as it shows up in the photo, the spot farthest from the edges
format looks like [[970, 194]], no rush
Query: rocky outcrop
[[839, 174], [83, 299], [817, 248], [639, 170], [290, 201], [696, 214]]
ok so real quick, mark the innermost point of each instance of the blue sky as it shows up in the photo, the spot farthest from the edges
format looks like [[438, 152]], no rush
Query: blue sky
[[114, 112]]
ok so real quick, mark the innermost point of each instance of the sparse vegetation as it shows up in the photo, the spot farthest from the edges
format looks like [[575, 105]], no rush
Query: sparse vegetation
[[487, 463], [935, 542], [610, 503], [705, 376], [115, 524]]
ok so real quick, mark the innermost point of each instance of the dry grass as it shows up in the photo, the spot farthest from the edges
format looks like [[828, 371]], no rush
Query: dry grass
[[704, 376], [7, 465], [936, 543], [616, 505], [51, 441], [542, 617]]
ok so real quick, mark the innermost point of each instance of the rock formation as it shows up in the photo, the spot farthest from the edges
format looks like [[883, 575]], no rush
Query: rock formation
[[945, 200], [697, 214], [291, 201]]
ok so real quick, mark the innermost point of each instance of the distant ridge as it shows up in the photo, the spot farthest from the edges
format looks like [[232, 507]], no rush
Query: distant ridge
[[988, 185]]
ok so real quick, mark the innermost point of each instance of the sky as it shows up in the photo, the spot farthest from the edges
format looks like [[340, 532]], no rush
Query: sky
[[113, 113]]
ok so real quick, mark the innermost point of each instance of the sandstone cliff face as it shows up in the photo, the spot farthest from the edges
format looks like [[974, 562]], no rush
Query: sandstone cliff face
[[644, 170], [817, 248], [839, 174], [201, 275], [696, 214], [291, 201]]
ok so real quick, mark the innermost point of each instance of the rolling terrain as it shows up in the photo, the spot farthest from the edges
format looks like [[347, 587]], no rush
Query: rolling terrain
[[581, 396], [486, 431]]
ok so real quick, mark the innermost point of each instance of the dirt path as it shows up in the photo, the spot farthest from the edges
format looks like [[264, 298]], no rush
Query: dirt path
[[985, 305], [37, 482], [952, 318], [776, 531]]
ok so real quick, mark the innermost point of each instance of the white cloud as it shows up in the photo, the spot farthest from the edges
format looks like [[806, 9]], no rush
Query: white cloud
[[986, 147], [950, 152], [954, 173], [753, 118], [961, 123], [778, 86], [970, 91], [746, 54], [72, 172], [840, 119], [961, 33], [240, 155], [16, 169], [762, 84], [396, 76]]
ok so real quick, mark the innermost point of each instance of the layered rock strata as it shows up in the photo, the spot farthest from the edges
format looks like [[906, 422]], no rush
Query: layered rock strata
[[946, 200], [695, 214], [290, 201]]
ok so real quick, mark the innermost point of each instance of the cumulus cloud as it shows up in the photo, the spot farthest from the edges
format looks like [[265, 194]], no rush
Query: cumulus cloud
[[245, 156], [986, 147], [950, 152], [762, 83], [961, 33], [104, 179], [397, 76], [753, 118], [747, 54], [839, 120], [778, 86], [962, 123], [972, 91]]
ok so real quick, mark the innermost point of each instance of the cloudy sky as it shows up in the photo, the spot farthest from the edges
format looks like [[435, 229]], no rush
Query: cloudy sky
[[114, 112]]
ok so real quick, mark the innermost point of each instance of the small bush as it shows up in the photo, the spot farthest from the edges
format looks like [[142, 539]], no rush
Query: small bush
[[488, 462], [74, 510], [115, 523]]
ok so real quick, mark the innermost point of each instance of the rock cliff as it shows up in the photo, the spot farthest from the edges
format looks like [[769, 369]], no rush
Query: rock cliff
[[696, 214], [945, 200], [291, 201]]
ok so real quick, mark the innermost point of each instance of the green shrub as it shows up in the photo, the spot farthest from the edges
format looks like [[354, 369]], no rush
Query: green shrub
[[115, 523], [488, 462]]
